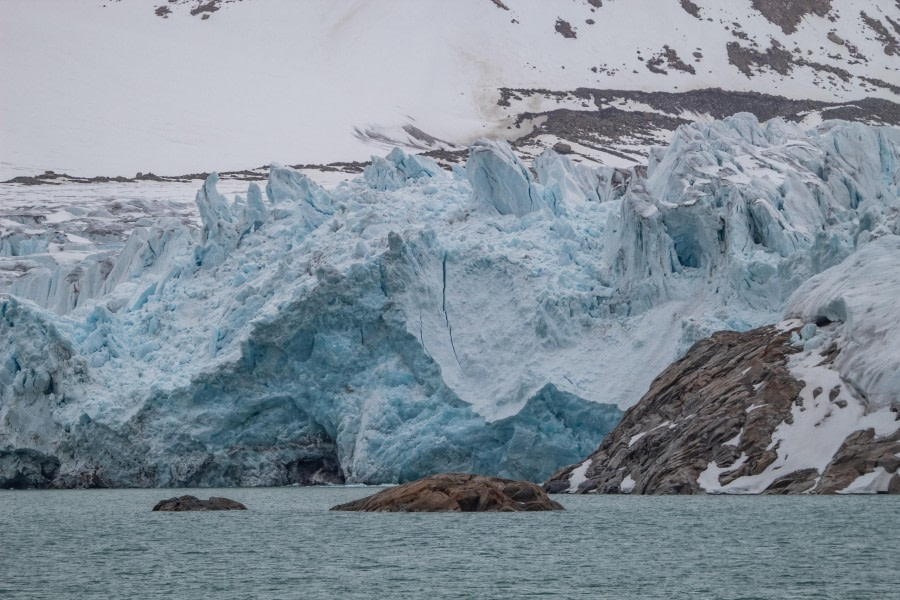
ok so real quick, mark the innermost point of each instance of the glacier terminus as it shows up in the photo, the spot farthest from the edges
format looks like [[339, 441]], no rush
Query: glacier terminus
[[498, 317]]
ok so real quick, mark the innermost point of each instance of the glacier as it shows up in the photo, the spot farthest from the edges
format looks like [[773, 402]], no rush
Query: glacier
[[859, 297], [498, 318]]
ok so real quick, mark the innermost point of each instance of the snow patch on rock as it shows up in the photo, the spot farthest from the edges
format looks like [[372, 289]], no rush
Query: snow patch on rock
[[827, 411]]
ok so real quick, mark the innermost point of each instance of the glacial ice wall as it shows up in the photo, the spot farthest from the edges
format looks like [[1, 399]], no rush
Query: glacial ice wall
[[64, 287], [500, 180], [410, 322]]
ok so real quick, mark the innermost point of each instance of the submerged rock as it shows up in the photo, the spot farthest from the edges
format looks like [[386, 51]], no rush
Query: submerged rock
[[456, 492], [186, 503]]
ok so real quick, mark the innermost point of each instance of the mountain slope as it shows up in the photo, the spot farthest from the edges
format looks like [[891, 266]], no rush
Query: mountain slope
[[196, 89]]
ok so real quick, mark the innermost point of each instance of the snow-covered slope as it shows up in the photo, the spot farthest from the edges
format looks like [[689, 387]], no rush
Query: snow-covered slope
[[96, 87], [413, 321], [860, 295]]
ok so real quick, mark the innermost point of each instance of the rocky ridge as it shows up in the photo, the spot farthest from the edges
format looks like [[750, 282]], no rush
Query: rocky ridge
[[719, 421], [621, 127], [192, 503], [456, 492]]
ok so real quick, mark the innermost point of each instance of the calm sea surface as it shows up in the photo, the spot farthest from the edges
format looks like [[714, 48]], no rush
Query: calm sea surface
[[108, 544]]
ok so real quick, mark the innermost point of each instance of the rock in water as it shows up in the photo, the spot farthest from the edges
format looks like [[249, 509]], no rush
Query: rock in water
[[456, 492], [186, 503]]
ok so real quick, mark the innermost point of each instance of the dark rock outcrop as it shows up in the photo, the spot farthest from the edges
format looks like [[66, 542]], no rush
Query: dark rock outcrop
[[788, 15], [191, 503], [608, 127], [691, 8], [456, 492], [720, 407], [564, 28]]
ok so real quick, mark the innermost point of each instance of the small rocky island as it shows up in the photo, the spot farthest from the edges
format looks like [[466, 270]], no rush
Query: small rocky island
[[456, 492], [190, 503]]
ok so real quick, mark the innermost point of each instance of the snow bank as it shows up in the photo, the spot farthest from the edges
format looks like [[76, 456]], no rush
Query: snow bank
[[347, 93], [861, 294]]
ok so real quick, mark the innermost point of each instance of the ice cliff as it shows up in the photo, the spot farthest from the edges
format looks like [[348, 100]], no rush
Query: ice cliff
[[413, 321]]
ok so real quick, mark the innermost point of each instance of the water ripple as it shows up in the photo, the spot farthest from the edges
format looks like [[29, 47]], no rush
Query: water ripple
[[107, 543]]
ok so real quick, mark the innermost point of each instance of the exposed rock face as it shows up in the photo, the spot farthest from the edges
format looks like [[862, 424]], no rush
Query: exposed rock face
[[728, 417], [609, 126], [788, 15], [691, 8], [564, 28], [456, 492], [862, 453], [186, 503]]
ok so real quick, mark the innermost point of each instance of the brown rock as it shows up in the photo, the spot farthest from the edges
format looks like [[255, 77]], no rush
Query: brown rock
[[456, 492], [788, 15], [796, 482], [188, 503], [729, 384], [860, 453]]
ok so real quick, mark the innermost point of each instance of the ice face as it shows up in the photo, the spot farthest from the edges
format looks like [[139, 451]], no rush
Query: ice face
[[303, 195], [409, 322], [316, 388], [149, 252], [500, 180], [393, 171], [567, 181], [759, 208]]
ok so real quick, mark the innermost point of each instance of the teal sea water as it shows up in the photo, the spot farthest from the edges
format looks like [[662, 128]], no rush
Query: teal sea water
[[108, 544]]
